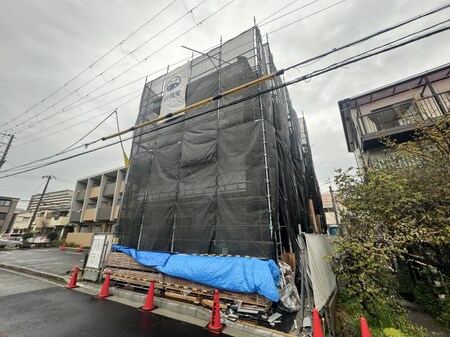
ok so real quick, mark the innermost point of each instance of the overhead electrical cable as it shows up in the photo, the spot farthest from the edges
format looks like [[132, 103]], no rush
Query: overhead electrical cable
[[288, 13], [158, 50], [310, 75], [90, 67], [80, 114], [274, 13], [113, 65], [433, 11]]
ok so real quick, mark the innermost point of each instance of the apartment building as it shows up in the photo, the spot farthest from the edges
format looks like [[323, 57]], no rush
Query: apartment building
[[58, 200], [7, 207], [46, 221], [96, 202], [393, 111]]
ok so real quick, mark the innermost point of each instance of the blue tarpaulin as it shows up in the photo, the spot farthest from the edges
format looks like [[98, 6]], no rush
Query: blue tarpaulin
[[241, 274]]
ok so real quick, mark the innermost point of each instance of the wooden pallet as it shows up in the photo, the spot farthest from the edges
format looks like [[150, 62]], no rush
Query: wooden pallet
[[127, 271]]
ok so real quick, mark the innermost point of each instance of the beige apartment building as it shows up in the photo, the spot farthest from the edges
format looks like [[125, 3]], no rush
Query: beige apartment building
[[7, 207], [46, 221], [96, 201], [393, 111]]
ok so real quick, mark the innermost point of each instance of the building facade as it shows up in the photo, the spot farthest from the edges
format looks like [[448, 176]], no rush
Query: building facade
[[7, 207], [393, 111], [96, 202], [58, 200]]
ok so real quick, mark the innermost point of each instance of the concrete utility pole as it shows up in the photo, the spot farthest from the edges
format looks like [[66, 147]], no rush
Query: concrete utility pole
[[334, 205], [8, 145], [33, 217]]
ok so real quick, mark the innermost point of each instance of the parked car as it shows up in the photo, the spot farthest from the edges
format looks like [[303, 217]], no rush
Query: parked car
[[10, 243]]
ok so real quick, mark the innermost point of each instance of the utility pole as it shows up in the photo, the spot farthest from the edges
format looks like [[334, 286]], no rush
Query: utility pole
[[33, 217], [334, 203], [8, 145]]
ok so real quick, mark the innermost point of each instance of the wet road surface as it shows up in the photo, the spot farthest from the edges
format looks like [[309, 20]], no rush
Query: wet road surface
[[32, 307], [49, 260]]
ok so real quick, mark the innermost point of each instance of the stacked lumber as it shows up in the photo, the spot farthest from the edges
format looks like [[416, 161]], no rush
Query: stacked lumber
[[126, 271]]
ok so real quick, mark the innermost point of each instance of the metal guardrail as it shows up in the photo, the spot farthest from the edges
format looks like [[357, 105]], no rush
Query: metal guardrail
[[401, 115]]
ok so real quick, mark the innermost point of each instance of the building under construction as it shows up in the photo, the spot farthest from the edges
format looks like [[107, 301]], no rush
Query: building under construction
[[234, 176]]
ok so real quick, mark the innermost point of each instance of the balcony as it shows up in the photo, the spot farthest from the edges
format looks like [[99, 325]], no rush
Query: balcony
[[89, 214], [75, 216], [116, 212], [399, 120], [104, 213], [122, 186], [80, 195], [109, 190], [95, 192]]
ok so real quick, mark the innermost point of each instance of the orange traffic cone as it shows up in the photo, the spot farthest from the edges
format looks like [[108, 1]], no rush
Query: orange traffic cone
[[215, 326], [365, 332], [79, 250], [148, 305], [73, 281], [63, 247], [317, 327], [105, 288]]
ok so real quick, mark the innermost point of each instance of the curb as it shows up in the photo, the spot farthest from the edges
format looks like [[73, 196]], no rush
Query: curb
[[52, 277]]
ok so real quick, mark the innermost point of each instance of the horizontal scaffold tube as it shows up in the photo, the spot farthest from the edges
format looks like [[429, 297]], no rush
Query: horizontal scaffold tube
[[198, 104]]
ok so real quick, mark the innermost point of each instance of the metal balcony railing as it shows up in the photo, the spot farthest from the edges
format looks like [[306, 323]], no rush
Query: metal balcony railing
[[403, 116]]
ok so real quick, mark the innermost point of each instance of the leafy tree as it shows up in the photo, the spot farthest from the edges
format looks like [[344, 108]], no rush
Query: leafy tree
[[395, 211]]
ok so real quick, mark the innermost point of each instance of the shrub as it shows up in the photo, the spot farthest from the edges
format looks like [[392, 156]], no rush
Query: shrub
[[391, 332], [52, 236], [27, 235]]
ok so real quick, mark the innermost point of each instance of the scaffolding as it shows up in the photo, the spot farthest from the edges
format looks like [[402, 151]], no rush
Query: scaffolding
[[234, 180]]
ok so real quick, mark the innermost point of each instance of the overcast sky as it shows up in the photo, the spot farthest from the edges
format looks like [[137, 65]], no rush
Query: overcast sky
[[44, 44]]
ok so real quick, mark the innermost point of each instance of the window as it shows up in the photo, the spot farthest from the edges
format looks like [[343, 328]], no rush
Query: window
[[5, 202], [2, 216]]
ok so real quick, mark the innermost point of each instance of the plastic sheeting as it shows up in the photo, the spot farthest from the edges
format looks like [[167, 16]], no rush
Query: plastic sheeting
[[322, 277], [240, 274], [230, 181]]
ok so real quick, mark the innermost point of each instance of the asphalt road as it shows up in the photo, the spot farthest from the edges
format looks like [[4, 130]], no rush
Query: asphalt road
[[49, 260], [33, 307]]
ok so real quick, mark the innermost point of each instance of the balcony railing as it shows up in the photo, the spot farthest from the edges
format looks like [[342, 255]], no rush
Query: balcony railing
[[80, 195], [95, 191], [89, 214], [104, 213], [402, 116], [75, 216]]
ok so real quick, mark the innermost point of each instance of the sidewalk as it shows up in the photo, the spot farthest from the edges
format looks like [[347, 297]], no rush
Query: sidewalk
[[422, 319]]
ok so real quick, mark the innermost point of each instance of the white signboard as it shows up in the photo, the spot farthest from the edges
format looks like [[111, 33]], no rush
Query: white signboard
[[174, 97], [96, 252]]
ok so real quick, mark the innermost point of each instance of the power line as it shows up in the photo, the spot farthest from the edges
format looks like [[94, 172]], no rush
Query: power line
[[291, 12], [315, 73], [316, 57], [111, 66], [308, 16], [90, 67], [170, 42], [284, 7], [78, 115]]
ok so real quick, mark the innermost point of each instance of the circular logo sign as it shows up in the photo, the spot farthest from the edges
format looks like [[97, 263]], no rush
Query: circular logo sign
[[173, 83]]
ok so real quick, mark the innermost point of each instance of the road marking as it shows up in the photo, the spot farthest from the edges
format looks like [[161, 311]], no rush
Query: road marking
[[72, 253]]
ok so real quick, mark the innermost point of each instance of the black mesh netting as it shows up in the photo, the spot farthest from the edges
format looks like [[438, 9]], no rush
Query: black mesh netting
[[235, 180]]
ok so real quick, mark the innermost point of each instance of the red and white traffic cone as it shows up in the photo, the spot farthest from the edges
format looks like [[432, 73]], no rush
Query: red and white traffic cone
[[215, 326], [80, 249], [149, 305], [63, 247], [73, 280], [365, 332], [105, 288], [317, 326]]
